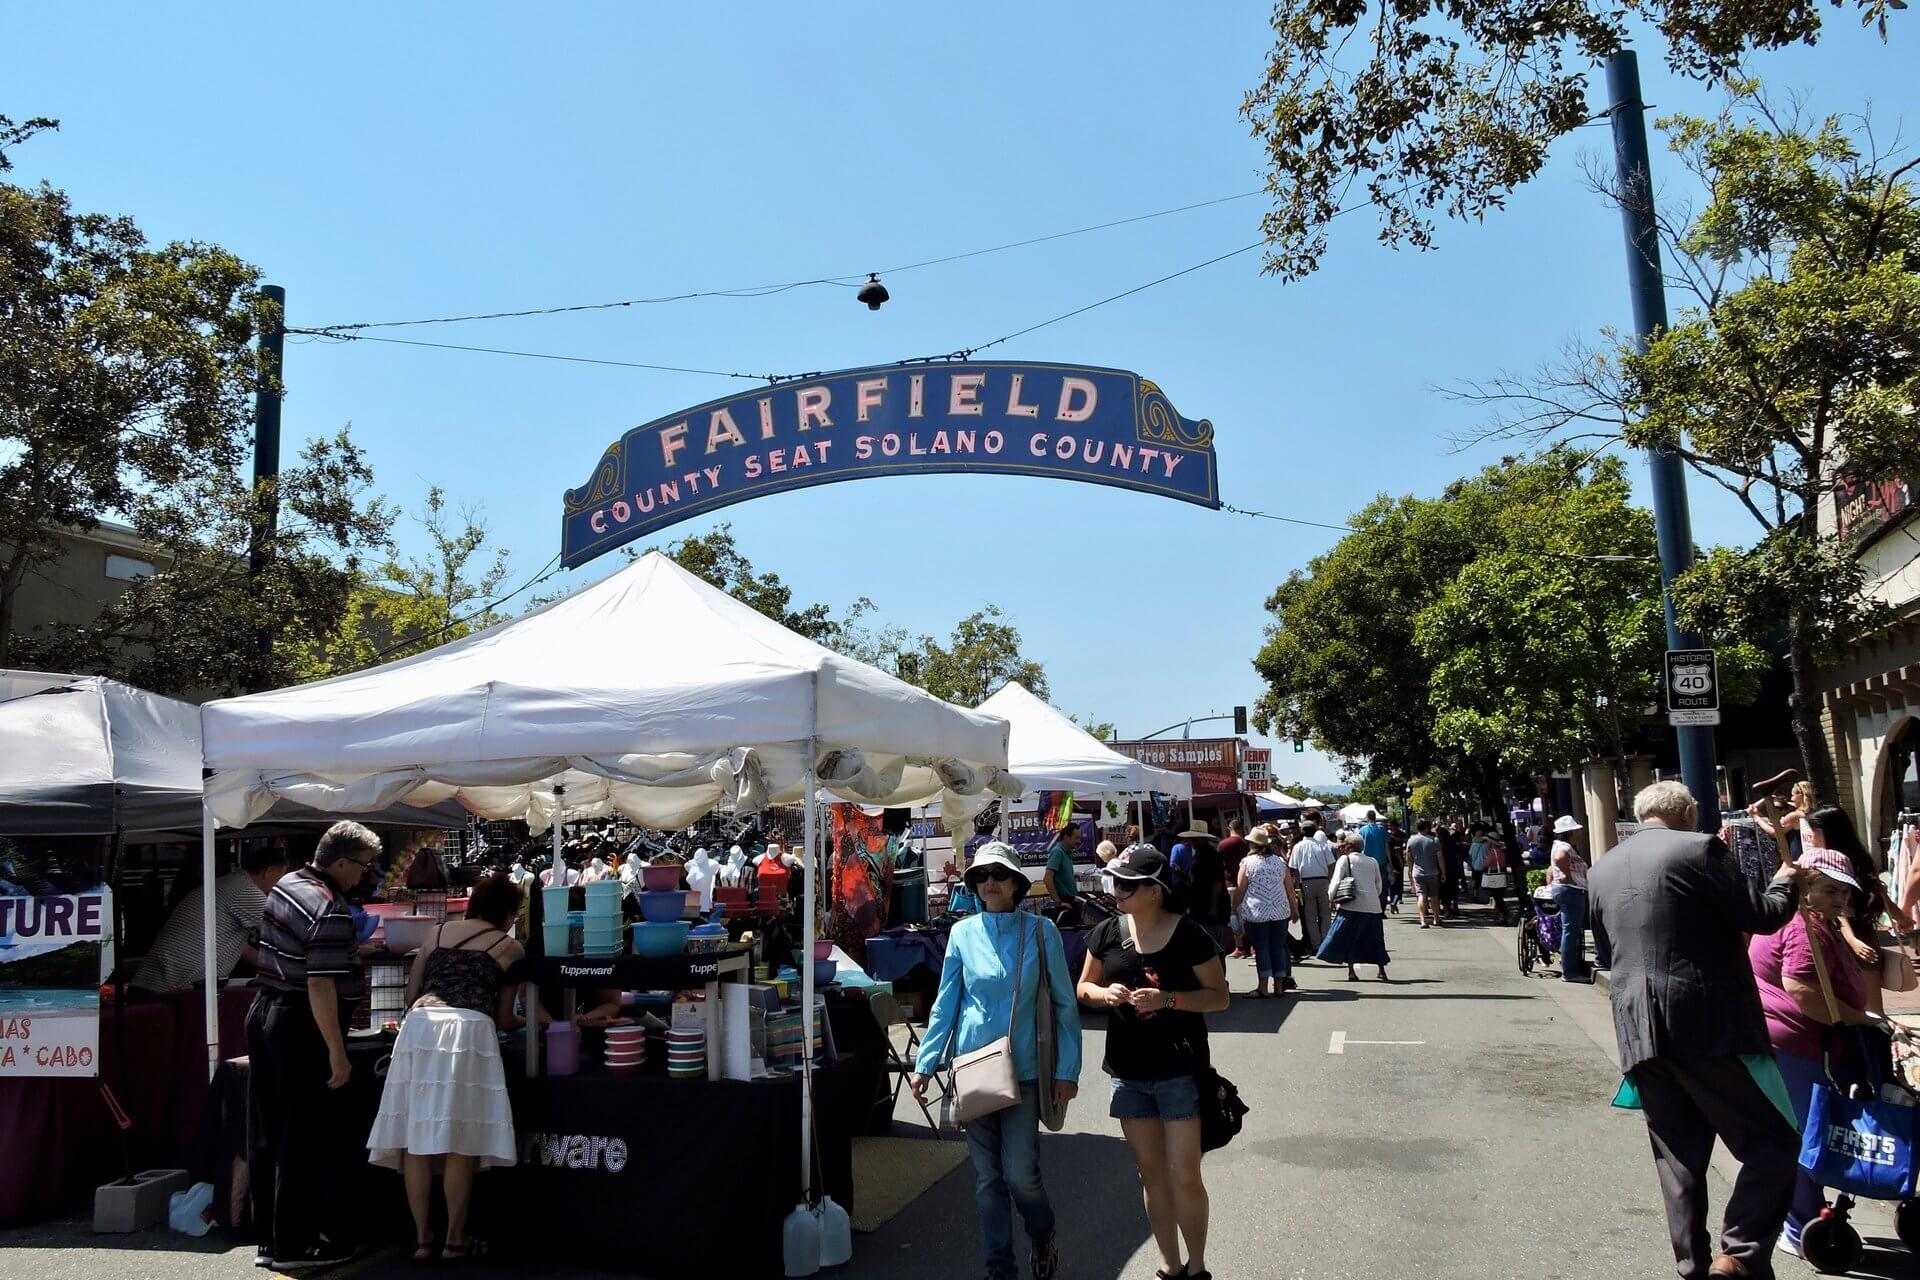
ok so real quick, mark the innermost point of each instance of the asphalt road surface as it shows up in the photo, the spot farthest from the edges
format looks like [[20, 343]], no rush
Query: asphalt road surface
[[1452, 1123]]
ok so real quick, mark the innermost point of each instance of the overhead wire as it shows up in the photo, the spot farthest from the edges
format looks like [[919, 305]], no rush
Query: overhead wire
[[848, 281], [546, 571]]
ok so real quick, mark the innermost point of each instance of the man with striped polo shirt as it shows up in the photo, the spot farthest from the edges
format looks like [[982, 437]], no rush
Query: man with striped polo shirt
[[310, 979]]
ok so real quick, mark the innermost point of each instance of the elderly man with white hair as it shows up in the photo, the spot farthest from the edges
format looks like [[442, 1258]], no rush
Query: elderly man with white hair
[[1693, 1040]]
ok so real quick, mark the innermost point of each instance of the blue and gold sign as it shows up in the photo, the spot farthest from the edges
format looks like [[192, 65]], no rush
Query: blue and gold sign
[[1070, 422]]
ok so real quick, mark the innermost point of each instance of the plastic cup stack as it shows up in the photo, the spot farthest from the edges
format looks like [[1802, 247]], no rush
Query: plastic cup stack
[[601, 922]]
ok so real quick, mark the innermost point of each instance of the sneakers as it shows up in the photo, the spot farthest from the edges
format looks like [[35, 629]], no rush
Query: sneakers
[[315, 1258], [263, 1257], [1045, 1260]]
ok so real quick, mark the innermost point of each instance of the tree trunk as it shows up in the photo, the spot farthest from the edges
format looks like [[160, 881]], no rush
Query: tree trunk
[[1816, 759], [11, 577]]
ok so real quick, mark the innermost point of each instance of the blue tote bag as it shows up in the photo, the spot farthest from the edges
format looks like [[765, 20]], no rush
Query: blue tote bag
[[1863, 1147]]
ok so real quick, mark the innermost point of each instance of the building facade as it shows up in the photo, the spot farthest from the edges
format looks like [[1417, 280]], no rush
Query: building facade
[[1872, 708]]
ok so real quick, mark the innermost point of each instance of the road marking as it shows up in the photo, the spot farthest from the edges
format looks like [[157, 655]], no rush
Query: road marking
[[1338, 1042]]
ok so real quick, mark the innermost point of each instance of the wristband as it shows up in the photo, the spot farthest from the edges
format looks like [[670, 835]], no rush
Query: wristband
[[1173, 1000]]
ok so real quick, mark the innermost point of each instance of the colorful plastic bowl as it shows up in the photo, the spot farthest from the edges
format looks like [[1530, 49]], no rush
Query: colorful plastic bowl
[[658, 939], [661, 907]]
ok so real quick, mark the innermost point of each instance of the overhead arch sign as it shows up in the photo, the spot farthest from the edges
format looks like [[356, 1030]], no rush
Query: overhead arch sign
[[1070, 422]]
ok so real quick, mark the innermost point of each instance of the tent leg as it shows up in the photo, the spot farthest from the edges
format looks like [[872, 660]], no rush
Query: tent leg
[[209, 948], [807, 933]]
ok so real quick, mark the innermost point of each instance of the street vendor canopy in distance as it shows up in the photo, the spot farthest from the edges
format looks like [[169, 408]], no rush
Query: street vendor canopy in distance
[[1072, 422]]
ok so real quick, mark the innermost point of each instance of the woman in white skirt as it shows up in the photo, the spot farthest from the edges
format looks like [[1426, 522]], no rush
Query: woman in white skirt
[[445, 1106]]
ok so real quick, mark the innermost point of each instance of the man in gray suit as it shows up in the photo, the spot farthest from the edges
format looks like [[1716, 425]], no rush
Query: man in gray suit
[[1685, 1008]]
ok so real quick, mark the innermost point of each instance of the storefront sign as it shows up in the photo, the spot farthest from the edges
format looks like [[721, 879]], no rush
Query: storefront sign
[[1863, 509], [1104, 426], [50, 974], [1185, 753]]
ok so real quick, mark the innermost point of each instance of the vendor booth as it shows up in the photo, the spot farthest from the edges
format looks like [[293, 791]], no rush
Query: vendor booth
[[1278, 804], [89, 766], [656, 696]]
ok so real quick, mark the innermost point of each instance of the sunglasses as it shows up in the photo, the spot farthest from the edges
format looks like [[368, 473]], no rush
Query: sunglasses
[[999, 874], [1124, 888]]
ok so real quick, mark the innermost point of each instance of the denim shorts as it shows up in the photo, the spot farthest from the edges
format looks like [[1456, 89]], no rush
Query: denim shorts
[[1174, 1099]]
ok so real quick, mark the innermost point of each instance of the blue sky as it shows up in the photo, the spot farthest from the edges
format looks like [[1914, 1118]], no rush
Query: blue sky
[[430, 160]]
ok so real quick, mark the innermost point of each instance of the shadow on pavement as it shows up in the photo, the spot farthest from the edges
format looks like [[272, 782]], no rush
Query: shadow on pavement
[[1096, 1198]]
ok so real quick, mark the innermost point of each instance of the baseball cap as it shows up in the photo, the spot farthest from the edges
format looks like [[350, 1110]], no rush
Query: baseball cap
[[1142, 862]]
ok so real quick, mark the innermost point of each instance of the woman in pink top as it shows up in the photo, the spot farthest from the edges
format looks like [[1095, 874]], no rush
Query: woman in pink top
[[1799, 1019]]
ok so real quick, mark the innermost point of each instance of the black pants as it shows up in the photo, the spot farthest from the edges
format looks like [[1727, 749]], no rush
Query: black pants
[[292, 1133], [1688, 1103]]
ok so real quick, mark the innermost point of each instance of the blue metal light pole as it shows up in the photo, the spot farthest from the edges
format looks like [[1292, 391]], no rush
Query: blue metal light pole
[[1672, 525]]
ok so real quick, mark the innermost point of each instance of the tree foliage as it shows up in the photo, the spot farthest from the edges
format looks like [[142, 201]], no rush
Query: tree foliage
[[716, 557], [127, 376], [1796, 363], [1430, 105], [404, 607], [1455, 642]]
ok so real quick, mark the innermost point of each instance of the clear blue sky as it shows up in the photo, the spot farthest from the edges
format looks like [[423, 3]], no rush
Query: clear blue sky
[[401, 161]]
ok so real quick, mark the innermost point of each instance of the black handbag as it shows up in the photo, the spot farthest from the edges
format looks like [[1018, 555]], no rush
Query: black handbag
[[1222, 1113]]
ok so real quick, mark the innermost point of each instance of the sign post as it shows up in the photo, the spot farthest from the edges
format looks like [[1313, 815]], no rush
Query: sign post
[[1693, 687]]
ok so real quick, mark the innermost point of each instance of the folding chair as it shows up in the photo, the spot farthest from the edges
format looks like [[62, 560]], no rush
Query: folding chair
[[888, 1013]]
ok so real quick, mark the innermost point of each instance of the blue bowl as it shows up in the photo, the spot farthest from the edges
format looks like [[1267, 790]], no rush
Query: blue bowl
[[660, 938], [663, 907]]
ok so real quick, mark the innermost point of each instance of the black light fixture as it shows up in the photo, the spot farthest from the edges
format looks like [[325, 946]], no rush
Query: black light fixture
[[873, 293]]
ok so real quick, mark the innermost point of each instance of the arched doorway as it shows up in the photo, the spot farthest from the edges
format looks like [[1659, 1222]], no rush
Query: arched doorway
[[1899, 790]]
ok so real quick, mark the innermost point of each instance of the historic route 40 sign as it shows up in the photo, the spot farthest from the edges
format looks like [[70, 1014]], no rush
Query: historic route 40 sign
[[1693, 687]]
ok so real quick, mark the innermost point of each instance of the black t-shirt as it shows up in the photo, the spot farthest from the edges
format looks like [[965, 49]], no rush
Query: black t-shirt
[[1165, 1044]]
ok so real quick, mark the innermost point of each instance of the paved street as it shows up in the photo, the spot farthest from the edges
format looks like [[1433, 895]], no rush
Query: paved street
[[1485, 1148]]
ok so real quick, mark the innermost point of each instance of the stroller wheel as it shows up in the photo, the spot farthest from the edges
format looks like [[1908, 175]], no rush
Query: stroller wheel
[[1526, 947], [1831, 1245], [1906, 1224]]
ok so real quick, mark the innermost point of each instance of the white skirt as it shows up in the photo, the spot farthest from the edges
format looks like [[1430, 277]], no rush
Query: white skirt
[[446, 1092]]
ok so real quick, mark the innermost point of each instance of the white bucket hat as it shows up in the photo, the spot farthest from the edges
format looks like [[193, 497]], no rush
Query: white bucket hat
[[1565, 823]]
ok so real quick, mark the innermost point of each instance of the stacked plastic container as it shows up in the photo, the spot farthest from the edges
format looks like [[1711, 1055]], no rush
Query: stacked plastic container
[[687, 1052], [602, 926], [554, 908]]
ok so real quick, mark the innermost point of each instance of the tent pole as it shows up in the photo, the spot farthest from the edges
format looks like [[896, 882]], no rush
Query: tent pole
[[209, 951], [812, 869]]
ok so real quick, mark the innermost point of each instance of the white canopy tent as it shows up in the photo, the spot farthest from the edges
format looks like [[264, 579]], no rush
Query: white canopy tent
[[1353, 813], [650, 692], [1049, 752], [84, 755], [1279, 802]]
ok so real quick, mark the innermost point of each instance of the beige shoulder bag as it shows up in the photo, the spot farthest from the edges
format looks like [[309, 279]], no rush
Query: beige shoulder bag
[[984, 1081]]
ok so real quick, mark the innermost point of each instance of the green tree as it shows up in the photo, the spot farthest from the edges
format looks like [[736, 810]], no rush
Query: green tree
[[717, 558], [1100, 729], [126, 376], [190, 628], [1794, 368], [1507, 629], [981, 655], [1430, 105], [407, 606]]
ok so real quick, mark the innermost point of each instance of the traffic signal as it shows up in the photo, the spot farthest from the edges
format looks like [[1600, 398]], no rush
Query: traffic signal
[[1239, 721], [1300, 746]]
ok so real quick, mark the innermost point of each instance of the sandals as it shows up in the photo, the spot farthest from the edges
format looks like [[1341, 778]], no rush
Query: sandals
[[461, 1252], [423, 1253], [1181, 1274]]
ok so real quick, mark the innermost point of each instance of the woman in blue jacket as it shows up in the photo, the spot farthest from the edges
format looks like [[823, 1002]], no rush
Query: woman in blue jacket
[[977, 1005]]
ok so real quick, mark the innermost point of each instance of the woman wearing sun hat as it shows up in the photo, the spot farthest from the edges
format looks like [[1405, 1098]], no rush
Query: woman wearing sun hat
[[1798, 1017], [1567, 884], [976, 1005]]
